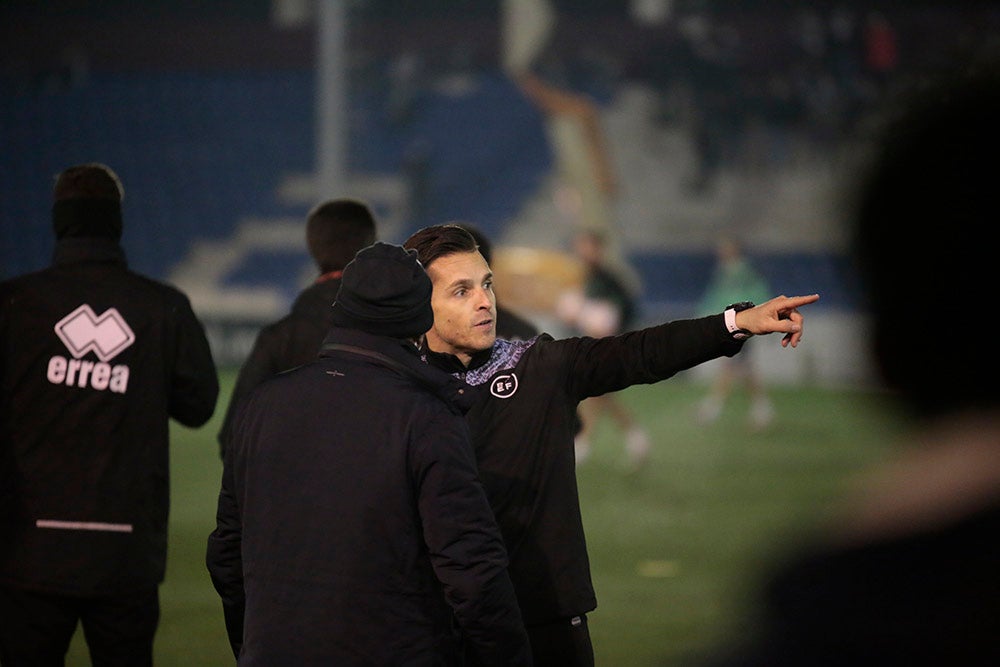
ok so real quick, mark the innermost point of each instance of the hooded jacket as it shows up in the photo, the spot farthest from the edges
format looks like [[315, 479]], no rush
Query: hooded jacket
[[352, 527], [94, 360]]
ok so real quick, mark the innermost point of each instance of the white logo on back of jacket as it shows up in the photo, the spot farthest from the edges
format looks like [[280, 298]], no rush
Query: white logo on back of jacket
[[83, 331]]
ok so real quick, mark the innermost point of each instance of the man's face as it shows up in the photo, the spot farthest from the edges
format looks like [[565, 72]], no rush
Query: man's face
[[465, 308]]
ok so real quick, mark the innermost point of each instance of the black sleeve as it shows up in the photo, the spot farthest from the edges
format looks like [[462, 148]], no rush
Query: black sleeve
[[224, 560], [466, 550], [194, 387], [601, 365]]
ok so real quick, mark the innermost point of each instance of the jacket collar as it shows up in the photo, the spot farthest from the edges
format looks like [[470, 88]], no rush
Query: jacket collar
[[403, 357], [450, 363], [88, 249]]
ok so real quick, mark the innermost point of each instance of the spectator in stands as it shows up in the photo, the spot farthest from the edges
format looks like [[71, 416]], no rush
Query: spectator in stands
[[733, 279], [603, 306], [510, 324], [335, 231], [524, 419], [94, 361], [352, 527], [905, 572]]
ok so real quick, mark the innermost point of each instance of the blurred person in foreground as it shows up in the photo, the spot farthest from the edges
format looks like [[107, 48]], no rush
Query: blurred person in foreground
[[906, 571], [603, 306], [352, 527], [523, 420], [95, 360], [735, 277], [336, 230]]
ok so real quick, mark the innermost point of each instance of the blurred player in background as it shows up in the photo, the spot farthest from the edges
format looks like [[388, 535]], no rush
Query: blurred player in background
[[603, 306], [335, 231], [735, 279]]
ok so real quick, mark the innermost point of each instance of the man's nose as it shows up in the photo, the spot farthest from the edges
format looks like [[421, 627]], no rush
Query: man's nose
[[485, 300]]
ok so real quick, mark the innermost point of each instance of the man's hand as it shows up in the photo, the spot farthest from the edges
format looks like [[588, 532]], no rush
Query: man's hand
[[778, 315]]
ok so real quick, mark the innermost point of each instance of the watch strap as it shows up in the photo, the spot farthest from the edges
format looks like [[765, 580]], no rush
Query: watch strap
[[730, 319]]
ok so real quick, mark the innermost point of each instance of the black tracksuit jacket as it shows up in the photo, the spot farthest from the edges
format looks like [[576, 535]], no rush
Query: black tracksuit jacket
[[94, 360], [523, 424]]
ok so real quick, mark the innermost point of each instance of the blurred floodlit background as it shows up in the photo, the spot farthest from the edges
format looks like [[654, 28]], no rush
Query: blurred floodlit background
[[228, 120]]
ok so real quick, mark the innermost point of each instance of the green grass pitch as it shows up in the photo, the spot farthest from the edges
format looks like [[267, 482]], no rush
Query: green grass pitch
[[676, 548]]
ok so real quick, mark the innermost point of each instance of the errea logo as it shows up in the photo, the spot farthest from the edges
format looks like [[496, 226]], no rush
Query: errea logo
[[83, 331]]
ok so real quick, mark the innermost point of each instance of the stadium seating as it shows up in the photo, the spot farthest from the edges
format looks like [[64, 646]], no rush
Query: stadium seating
[[201, 152]]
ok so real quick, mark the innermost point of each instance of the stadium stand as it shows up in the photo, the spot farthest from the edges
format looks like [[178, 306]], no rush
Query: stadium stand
[[211, 119]]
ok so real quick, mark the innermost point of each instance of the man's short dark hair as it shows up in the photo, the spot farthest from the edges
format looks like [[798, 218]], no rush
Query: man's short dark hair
[[485, 247], [440, 241], [336, 230]]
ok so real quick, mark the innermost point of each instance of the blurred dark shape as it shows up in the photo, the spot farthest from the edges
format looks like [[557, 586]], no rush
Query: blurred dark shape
[[906, 572]]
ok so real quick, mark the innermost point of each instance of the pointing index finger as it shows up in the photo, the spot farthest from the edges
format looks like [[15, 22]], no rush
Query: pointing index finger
[[796, 301]]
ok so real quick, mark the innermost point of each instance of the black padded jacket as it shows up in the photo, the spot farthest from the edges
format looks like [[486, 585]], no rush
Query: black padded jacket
[[293, 340], [352, 527], [94, 360]]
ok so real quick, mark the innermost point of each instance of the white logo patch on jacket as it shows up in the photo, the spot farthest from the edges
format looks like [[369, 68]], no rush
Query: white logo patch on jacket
[[82, 331]]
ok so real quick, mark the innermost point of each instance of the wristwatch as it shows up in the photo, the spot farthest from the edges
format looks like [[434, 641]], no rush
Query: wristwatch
[[730, 315]]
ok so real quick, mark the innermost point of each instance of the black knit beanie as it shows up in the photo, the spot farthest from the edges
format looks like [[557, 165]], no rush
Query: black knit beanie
[[385, 291], [87, 202]]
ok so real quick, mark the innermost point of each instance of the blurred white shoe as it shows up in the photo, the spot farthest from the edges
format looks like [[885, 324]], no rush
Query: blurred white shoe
[[761, 413], [582, 447], [709, 409], [637, 447]]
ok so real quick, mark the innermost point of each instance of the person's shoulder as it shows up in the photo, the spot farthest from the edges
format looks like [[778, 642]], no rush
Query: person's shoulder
[[284, 381], [316, 300], [11, 287], [291, 324], [23, 281], [156, 286]]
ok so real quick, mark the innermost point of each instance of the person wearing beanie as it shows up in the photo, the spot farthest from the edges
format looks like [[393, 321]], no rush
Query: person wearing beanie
[[352, 526], [336, 229], [95, 360]]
